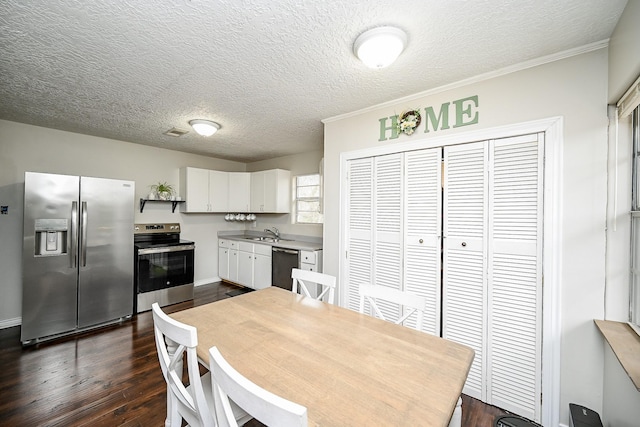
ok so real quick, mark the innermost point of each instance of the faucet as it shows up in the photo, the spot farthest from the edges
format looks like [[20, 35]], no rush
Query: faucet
[[275, 232]]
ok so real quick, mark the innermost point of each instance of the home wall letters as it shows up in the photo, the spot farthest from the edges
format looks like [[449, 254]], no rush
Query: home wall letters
[[465, 111]]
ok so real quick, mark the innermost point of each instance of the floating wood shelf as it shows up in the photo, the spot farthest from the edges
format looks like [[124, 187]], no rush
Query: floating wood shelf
[[174, 203], [625, 344]]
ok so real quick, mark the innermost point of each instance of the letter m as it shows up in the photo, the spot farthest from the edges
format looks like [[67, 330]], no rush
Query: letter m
[[440, 122]]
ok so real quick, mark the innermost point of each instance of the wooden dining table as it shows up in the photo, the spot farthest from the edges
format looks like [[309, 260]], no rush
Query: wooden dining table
[[346, 368]]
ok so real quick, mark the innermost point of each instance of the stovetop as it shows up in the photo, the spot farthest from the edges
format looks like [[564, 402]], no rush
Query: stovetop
[[158, 235]]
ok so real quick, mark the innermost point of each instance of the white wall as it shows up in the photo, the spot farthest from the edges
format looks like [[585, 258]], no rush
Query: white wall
[[624, 54], [576, 89], [621, 400], [31, 148]]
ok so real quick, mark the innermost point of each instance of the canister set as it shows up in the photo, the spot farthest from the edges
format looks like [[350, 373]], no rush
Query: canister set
[[240, 217]]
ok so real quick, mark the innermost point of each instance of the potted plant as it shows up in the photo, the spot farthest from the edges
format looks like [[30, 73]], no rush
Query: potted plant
[[163, 190]]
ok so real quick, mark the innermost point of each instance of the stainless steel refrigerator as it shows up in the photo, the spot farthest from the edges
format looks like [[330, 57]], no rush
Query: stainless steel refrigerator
[[77, 254]]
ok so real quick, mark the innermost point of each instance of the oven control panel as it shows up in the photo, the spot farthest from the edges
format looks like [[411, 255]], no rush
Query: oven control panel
[[156, 228]]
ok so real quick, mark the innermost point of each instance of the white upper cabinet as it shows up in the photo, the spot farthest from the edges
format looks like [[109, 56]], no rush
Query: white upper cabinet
[[239, 192], [204, 190], [242, 192], [271, 191]]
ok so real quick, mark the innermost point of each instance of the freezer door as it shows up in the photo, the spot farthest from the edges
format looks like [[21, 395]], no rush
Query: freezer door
[[49, 286], [105, 290]]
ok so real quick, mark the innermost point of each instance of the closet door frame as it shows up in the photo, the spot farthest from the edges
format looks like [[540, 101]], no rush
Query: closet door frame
[[552, 237]]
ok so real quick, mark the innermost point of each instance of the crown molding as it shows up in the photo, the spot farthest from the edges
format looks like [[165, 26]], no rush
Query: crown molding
[[479, 78]]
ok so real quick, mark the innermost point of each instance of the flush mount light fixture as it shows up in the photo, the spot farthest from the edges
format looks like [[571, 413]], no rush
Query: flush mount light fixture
[[204, 127], [380, 46]]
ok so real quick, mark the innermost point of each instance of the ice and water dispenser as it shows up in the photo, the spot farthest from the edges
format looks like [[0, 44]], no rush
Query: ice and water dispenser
[[51, 237]]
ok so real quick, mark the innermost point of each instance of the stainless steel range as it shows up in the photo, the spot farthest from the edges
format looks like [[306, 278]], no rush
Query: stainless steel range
[[163, 267]]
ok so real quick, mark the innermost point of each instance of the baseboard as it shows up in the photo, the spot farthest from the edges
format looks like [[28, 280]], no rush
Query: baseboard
[[206, 281], [9, 323]]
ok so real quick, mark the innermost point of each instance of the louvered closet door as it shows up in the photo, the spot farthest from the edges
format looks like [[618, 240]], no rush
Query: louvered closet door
[[359, 264], [514, 274], [387, 227], [423, 207], [464, 233]]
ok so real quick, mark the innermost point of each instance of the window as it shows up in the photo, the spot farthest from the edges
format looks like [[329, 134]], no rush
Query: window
[[307, 199]]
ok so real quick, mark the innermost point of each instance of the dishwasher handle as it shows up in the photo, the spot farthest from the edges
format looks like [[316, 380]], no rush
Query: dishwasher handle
[[287, 251]]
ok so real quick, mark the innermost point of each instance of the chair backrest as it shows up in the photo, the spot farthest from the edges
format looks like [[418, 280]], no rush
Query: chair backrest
[[412, 303], [266, 407], [304, 279], [173, 340]]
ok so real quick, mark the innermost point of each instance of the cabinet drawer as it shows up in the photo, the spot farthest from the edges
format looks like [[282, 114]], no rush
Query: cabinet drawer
[[307, 257], [245, 246], [308, 267], [262, 249], [223, 243]]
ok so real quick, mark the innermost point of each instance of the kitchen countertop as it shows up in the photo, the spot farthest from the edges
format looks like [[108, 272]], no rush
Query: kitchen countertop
[[303, 243]]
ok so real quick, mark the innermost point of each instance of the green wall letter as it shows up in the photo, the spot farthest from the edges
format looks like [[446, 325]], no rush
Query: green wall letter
[[464, 110], [393, 128], [442, 117]]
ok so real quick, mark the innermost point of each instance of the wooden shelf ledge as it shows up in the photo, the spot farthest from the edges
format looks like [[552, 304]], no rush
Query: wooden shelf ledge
[[625, 344]]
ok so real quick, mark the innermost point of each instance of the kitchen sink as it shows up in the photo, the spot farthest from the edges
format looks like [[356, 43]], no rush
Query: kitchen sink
[[268, 239]]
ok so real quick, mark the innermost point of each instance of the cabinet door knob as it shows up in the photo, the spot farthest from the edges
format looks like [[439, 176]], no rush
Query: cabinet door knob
[[421, 241], [464, 243]]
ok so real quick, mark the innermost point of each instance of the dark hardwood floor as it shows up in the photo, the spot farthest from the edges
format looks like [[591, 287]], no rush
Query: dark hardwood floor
[[110, 377]]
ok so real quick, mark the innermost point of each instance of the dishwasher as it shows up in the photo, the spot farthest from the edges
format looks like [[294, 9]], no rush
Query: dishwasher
[[282, 262]]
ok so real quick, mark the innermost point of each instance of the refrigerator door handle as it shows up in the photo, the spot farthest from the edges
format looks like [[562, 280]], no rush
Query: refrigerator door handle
[[83, 235], [73, 236]]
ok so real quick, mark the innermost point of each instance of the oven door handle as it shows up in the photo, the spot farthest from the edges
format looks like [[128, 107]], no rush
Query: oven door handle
[[166, 249], [286, 251]]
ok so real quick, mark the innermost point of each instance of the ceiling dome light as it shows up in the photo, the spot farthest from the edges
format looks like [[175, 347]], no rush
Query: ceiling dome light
[[379, 47], [204, 127]]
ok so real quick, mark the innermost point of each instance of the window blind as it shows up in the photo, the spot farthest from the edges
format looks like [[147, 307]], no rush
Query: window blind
[[630, 100]]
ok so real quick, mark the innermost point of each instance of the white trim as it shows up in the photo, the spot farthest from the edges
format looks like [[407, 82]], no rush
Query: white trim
[[552, 251], [207, 281], [479, 78], [552, 272], [9, 323]]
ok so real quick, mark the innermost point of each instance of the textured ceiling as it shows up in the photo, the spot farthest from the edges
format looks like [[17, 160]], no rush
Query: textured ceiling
[[267, 70]]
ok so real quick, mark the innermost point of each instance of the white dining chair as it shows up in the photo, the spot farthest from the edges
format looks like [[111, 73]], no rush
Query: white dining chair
[[193, 403], [304, 279], [173, 340], [412, 303], [456, 418], [266, 407]]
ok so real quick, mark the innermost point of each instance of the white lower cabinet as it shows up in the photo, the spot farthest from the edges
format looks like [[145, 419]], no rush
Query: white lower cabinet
[[261, 266], [223, 259], [311, 261], [244, 263], [233, 265]]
